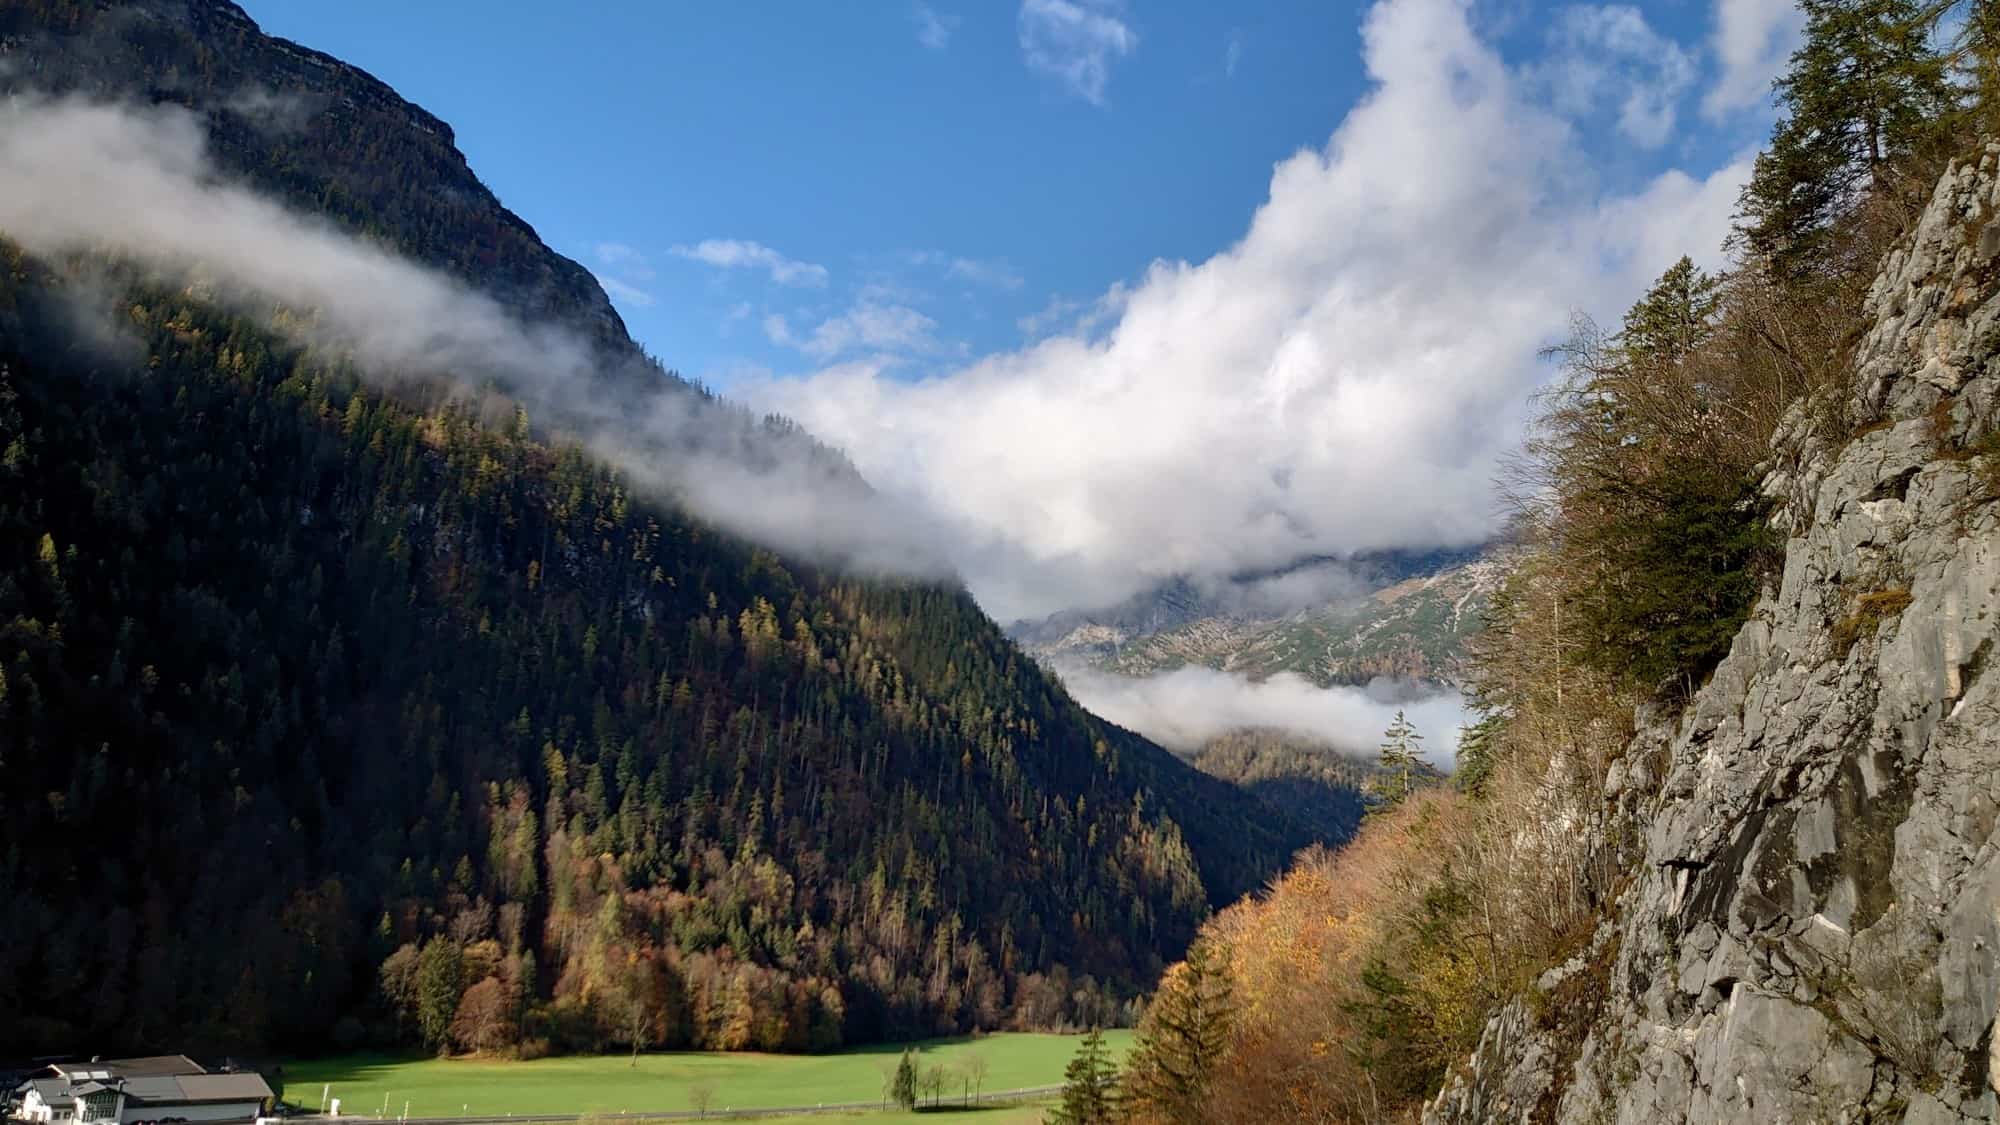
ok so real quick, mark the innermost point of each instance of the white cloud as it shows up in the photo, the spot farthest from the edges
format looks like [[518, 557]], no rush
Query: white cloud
[[1609, 55], [997, 274], [1753, 40], [934, 29], [867, 326], [1343, 378], [1049, 317], [730, 253], [628, 294], [1232, 52], [1185, 708], [78, 177], [1075, 42], [625, 260], [623, 272]]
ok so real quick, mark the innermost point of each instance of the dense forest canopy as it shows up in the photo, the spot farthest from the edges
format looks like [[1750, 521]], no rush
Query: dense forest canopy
[[330, 717]]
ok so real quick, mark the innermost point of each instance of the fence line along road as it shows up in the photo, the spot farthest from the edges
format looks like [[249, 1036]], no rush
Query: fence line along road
[[992, 1098]]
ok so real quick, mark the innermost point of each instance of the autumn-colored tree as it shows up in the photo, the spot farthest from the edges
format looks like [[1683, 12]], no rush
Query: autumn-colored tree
[[485, 1017]]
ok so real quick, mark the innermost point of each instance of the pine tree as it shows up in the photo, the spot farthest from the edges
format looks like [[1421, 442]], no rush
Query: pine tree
[[1867, 88], [1184, 1035], [903, 1088], [1090, 1086], [1400, 761]]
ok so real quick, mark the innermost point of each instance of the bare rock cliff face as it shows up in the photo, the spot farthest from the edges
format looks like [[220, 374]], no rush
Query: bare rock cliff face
[[1813, 928]]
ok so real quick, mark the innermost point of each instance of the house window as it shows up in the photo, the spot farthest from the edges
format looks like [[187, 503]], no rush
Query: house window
[[100, 1107]]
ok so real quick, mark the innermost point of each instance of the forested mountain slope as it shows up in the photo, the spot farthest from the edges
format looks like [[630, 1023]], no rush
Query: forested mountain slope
[[331, 716], [1394, 615], [307, 129]]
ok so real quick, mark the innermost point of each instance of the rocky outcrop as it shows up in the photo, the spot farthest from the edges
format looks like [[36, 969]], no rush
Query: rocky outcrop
[[1813, 928], [322, 134], [1386, 616]]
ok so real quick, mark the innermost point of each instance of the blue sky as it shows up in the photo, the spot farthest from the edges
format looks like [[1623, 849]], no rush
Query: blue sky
[[1102, 292], [935, 158], [1112, 290]]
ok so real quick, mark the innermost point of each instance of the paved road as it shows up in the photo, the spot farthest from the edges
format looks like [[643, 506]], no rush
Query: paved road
[[718, 1112]]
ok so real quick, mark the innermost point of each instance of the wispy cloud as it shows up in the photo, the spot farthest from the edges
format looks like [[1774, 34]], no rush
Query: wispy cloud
[[623, 272], [996, 273], [730, 253], [1610, 56], [1232, 52], [934, 28], [1753, 38], [626, 260], [1075, 42], [869, 326], [626, 294], [1073, 316], [1187, 707], [81, 177], [1050, 317]]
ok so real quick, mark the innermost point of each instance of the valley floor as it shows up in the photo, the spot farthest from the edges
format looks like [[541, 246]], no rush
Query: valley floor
[[392, 1086]]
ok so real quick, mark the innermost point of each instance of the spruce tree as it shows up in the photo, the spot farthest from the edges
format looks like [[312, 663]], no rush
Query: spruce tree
[[1674, 318], [1401, 761], [1476, 754], [1184, 1035], [1090, 1086], [1867, 89]]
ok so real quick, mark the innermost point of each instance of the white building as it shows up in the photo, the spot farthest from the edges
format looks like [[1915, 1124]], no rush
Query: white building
[[157, 1090]]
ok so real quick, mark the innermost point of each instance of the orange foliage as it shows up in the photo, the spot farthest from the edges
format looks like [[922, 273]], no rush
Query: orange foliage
[[1296, 955]]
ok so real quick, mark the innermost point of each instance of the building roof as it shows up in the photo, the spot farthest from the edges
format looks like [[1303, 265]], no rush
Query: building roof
[[54, 1091], [148, 1065], [244, 1086], [155, 1080]]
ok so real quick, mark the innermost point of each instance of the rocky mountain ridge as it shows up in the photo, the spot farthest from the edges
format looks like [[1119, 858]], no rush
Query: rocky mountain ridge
[[1810, 931], [321, 133], [1403, 618]]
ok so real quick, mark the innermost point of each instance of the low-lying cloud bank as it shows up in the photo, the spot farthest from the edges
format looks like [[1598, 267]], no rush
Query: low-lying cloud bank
[[79, 177], [1185, 708], [1344, 378]]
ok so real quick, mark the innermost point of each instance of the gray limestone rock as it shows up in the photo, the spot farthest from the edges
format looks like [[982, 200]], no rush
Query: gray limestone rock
[[1813, 933]]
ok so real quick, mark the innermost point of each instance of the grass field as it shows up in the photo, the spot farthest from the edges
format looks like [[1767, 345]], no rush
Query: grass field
[[1023, 1114], [661, 1082]]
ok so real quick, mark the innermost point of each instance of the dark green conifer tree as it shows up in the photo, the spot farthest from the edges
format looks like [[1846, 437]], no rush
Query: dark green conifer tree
[[1090, 1086], [1867, 89]]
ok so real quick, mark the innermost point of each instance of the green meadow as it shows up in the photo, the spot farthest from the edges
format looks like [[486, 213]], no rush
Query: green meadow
[[665, 1082]]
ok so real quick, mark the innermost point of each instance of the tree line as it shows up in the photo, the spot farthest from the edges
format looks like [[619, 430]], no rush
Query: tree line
[[331, 719]]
